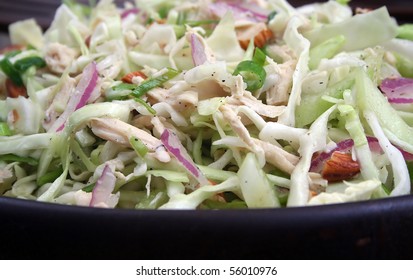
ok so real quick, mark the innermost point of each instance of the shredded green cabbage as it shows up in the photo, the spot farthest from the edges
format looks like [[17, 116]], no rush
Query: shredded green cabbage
[[258, 99]]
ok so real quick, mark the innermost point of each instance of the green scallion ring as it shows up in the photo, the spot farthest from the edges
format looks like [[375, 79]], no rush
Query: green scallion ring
[[8, 68], [25, 63], [138, 146], [253, 74]]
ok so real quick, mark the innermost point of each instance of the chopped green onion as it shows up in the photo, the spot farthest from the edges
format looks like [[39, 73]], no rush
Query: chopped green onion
[[5, 129], [14, 71], [149, 21], [139, 147], [259, 56], [23, 64], [146, 105], [89, 188], [154, 82], [119, 92], [124, 86], [49, 177], [12, 53], [8, 68], [164, 11], [253, 74], [147, 85], [249, 52], [14, 158], [271, 16]]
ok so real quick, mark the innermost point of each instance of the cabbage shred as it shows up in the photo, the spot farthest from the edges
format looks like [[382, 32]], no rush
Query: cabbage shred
[[251, 93]]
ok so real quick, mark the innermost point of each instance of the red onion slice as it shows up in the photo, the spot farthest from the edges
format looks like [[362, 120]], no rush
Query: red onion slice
[[239, 10], [375, 147], [398, 90], [175, 147], [92, 75], [132, 11], [102, 192], [319, 160], [259, 14], [84, 90], [198, 50]]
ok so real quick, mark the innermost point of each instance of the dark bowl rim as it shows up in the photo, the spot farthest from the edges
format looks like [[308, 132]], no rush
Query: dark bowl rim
[[357, 230], [320, 212]]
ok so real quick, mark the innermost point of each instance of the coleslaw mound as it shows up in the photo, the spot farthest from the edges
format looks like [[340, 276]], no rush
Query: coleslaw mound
[[207, 105]]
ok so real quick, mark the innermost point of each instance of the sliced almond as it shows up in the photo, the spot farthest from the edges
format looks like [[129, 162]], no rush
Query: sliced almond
[[339, 167], [128, 78], [260, 39]]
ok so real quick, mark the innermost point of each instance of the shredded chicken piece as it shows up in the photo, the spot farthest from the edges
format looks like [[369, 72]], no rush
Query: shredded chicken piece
[[142, 122], [215, 81], [273, 154], [279, 93], [282, 53], [277, 156], [184, 102], [235, 122], [58, 57], [157, 95], [238, 89], [158, 125], [120, 132], [188, 97], [260, 108]]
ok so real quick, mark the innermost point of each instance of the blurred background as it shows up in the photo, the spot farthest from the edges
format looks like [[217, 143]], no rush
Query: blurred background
[[43, 10]]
